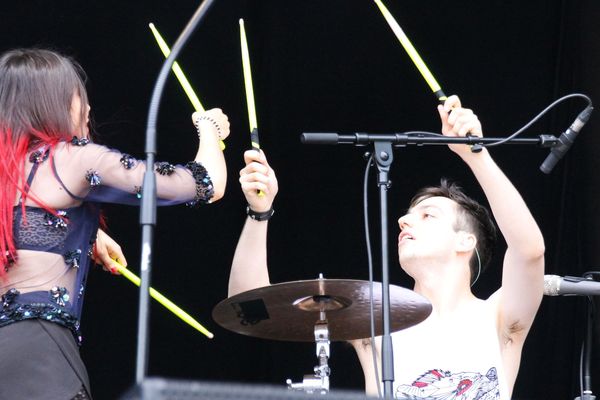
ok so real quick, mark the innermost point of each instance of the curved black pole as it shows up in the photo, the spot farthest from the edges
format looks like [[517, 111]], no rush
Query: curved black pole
[[148, 204]]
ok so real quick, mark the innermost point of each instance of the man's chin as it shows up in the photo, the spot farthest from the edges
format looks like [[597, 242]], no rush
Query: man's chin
[[411, 262]]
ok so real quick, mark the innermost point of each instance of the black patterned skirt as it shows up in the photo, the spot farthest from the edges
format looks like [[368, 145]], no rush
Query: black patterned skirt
[[40, 360]]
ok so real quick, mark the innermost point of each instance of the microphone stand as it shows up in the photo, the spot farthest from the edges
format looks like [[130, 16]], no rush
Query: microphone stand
[[586, 353], [383, 156], [148, 204]]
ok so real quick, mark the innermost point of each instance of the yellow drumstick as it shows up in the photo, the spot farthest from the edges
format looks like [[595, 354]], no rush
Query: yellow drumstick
[[164, 301], [249, 92], [185, 84], [248, 81], [412, 52]]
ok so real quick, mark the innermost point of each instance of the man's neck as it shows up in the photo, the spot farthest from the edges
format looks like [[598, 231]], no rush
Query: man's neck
[[447, 291]]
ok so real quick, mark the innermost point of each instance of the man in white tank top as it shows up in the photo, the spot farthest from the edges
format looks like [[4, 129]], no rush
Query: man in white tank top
[[468, 348]]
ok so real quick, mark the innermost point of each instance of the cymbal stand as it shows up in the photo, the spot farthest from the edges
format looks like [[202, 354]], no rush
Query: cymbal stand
[[319, 382]]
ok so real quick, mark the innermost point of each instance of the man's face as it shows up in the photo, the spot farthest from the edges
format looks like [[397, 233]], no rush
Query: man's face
[[427, 231]]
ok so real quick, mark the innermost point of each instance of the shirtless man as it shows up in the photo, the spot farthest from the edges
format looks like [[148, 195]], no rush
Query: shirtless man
[[468, 348]]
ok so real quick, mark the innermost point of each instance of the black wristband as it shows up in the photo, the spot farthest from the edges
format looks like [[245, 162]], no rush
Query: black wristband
[[260, 216]]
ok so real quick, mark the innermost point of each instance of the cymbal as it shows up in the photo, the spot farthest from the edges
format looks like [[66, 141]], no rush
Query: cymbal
[[289, 311]]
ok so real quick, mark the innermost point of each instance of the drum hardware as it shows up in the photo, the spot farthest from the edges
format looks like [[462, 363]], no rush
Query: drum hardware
[[319, 381], [320, 310]]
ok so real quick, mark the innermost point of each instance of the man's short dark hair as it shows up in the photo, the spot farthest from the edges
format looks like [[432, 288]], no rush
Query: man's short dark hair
[[472, 217]]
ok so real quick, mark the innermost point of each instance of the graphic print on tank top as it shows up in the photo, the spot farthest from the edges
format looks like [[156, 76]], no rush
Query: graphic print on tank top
[[437, 384]]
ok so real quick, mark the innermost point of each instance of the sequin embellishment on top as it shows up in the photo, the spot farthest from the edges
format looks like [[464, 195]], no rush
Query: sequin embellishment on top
[[56, 221], [9, 297], [164, 168], [93, 178], [204, 186], [127, 161], [38, 156], [79, 141], [59, 295], [72, 258]]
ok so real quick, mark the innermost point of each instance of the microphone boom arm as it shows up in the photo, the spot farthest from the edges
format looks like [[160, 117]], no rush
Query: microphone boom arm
[[416, 139]]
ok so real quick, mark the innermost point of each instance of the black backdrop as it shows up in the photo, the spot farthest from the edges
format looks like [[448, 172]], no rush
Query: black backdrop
[[326, 65]]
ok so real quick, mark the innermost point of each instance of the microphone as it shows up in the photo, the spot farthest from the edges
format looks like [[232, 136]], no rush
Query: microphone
[[565, 140], [555, 285]]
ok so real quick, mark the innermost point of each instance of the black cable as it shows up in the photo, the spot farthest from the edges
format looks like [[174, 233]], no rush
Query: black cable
[[522, 129], [540, 115], [586, 351], [370, 262], [581, 369]]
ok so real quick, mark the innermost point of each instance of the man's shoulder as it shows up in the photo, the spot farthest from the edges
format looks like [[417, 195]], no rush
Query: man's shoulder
[[491, 302]]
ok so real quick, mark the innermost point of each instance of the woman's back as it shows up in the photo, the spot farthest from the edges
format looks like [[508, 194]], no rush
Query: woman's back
[[47, 278]]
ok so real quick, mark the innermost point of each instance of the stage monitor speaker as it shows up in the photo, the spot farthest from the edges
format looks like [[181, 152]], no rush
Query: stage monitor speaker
[[170, 389]]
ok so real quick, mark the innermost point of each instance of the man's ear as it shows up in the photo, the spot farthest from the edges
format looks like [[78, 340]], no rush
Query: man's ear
[[466, 241]]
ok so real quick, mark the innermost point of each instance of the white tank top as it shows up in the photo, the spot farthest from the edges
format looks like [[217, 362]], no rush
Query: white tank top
[[458, 358]]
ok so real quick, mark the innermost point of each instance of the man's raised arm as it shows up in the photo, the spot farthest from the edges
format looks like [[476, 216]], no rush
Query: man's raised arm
[[523, 269]]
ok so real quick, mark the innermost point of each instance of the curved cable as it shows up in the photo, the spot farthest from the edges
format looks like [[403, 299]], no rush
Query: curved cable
[[479, 267], [540, 115], [520, 130]]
